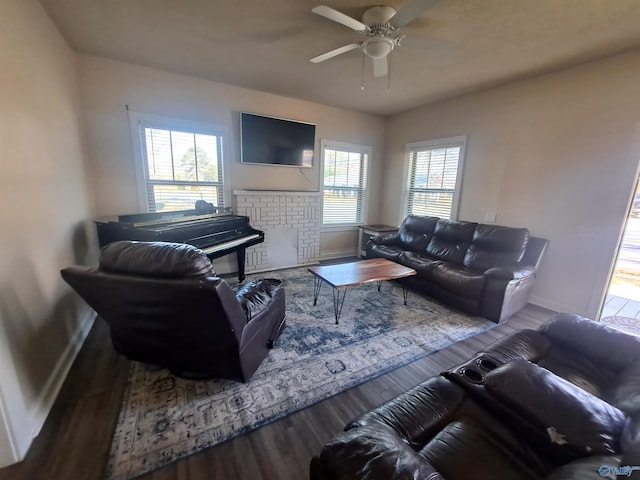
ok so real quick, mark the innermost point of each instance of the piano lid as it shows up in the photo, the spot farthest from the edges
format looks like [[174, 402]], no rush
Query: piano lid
[[162, 218]]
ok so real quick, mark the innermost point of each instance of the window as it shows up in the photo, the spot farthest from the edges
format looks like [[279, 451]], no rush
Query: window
[[179, 164], [344, 185], [433, 177]]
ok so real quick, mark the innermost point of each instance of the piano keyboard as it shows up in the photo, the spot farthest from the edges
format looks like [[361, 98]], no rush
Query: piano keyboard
[[233, 243]]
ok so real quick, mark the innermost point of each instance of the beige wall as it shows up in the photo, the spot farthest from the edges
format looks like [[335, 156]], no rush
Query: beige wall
[[557, 154], [43, 201], [109, 86]]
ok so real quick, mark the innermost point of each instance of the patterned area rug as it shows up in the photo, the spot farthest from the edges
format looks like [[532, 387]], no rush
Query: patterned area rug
[[164, 418], [625, 324]]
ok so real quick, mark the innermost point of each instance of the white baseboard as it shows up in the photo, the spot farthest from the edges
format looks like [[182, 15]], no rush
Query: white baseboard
[[45, 401], [331, 254], [553, 305], [270, 269]]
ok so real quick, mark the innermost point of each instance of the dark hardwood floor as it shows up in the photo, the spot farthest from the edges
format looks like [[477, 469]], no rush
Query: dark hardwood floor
[[75, 441]]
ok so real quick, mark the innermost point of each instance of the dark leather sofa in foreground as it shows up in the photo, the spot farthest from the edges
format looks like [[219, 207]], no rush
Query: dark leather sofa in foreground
[[559, 403], [165, 306], [486, 270]]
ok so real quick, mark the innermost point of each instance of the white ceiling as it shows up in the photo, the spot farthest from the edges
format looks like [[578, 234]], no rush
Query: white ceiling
[[266, 45]]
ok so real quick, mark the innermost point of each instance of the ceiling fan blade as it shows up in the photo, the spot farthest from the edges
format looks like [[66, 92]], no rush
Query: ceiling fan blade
[[380, 67], [339, 17], [410, 11], [336, 52]]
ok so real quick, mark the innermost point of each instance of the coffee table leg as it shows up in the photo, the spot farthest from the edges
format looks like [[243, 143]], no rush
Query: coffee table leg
[[379, 283], [317, 283], [405, 294], [338, 301]]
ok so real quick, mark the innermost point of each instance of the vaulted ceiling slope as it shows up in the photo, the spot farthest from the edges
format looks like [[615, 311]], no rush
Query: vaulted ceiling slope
[[464, 45]]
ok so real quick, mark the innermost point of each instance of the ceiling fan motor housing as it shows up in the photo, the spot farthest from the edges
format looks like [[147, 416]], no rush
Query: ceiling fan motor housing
[[377, 19], [378, 16]]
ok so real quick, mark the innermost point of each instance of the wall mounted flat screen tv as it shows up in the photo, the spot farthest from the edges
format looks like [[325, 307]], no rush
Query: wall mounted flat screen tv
[[275, 141]]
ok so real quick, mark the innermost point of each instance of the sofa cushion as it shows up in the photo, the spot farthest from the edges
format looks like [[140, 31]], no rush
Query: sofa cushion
[[496, 246], [459, 280], [416, 231], [451, 240], [470, 449], [606, 346], [155, 259], [422, 264], [437, 419], [523, 344], [578, 369]]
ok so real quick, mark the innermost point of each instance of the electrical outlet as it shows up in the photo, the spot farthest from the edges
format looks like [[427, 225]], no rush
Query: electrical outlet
[[490, 217]]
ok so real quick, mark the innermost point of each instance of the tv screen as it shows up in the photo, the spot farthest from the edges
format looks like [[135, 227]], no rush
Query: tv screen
[[275, 141]]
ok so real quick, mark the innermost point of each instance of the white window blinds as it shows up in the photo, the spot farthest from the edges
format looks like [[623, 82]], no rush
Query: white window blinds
[[433, 177], [344, 183], [180, 168]]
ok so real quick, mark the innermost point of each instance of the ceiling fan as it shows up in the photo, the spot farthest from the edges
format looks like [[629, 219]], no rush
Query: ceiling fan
[[381, 25]]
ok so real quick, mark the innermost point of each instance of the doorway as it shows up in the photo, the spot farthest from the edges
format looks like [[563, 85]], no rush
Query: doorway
[[622, 302]]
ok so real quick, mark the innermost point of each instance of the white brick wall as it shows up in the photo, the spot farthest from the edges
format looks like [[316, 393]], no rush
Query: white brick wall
[[296, 215]]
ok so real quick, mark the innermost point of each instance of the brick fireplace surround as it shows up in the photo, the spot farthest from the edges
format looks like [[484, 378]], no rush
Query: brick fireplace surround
[[291, 224]]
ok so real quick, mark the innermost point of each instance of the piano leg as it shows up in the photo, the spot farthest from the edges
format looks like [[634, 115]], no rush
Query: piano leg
[[240, 254]]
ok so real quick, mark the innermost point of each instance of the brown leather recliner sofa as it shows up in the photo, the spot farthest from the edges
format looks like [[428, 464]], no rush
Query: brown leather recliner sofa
[[559, 403], [486, 270], [165, 306]]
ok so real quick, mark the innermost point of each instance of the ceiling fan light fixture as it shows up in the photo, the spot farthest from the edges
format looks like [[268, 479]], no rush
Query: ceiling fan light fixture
[[381, 25], [378, 47]]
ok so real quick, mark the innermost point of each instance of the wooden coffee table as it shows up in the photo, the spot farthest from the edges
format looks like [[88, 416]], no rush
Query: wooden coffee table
[[345, 275]]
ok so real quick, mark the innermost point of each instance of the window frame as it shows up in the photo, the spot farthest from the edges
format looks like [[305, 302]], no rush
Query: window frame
[[364, 185], [447, 142], [138, 121]]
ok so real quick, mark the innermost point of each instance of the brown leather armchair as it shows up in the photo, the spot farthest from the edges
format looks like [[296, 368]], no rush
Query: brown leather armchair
[[165, 306]]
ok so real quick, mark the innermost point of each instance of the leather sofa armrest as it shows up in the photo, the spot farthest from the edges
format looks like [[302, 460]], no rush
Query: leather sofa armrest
[[417, 414], [372, 453], [387, 239], [625, 393], [256, 296], [513, 272], [231, 308]]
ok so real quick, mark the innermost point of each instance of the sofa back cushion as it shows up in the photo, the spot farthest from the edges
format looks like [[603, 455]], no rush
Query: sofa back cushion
[[496, 246], [571, 421], [155, 259], [416, 231], [451, 240], [606, 346]]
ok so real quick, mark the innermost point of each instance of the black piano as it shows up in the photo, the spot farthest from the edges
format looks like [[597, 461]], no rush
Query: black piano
[[217, 234]]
